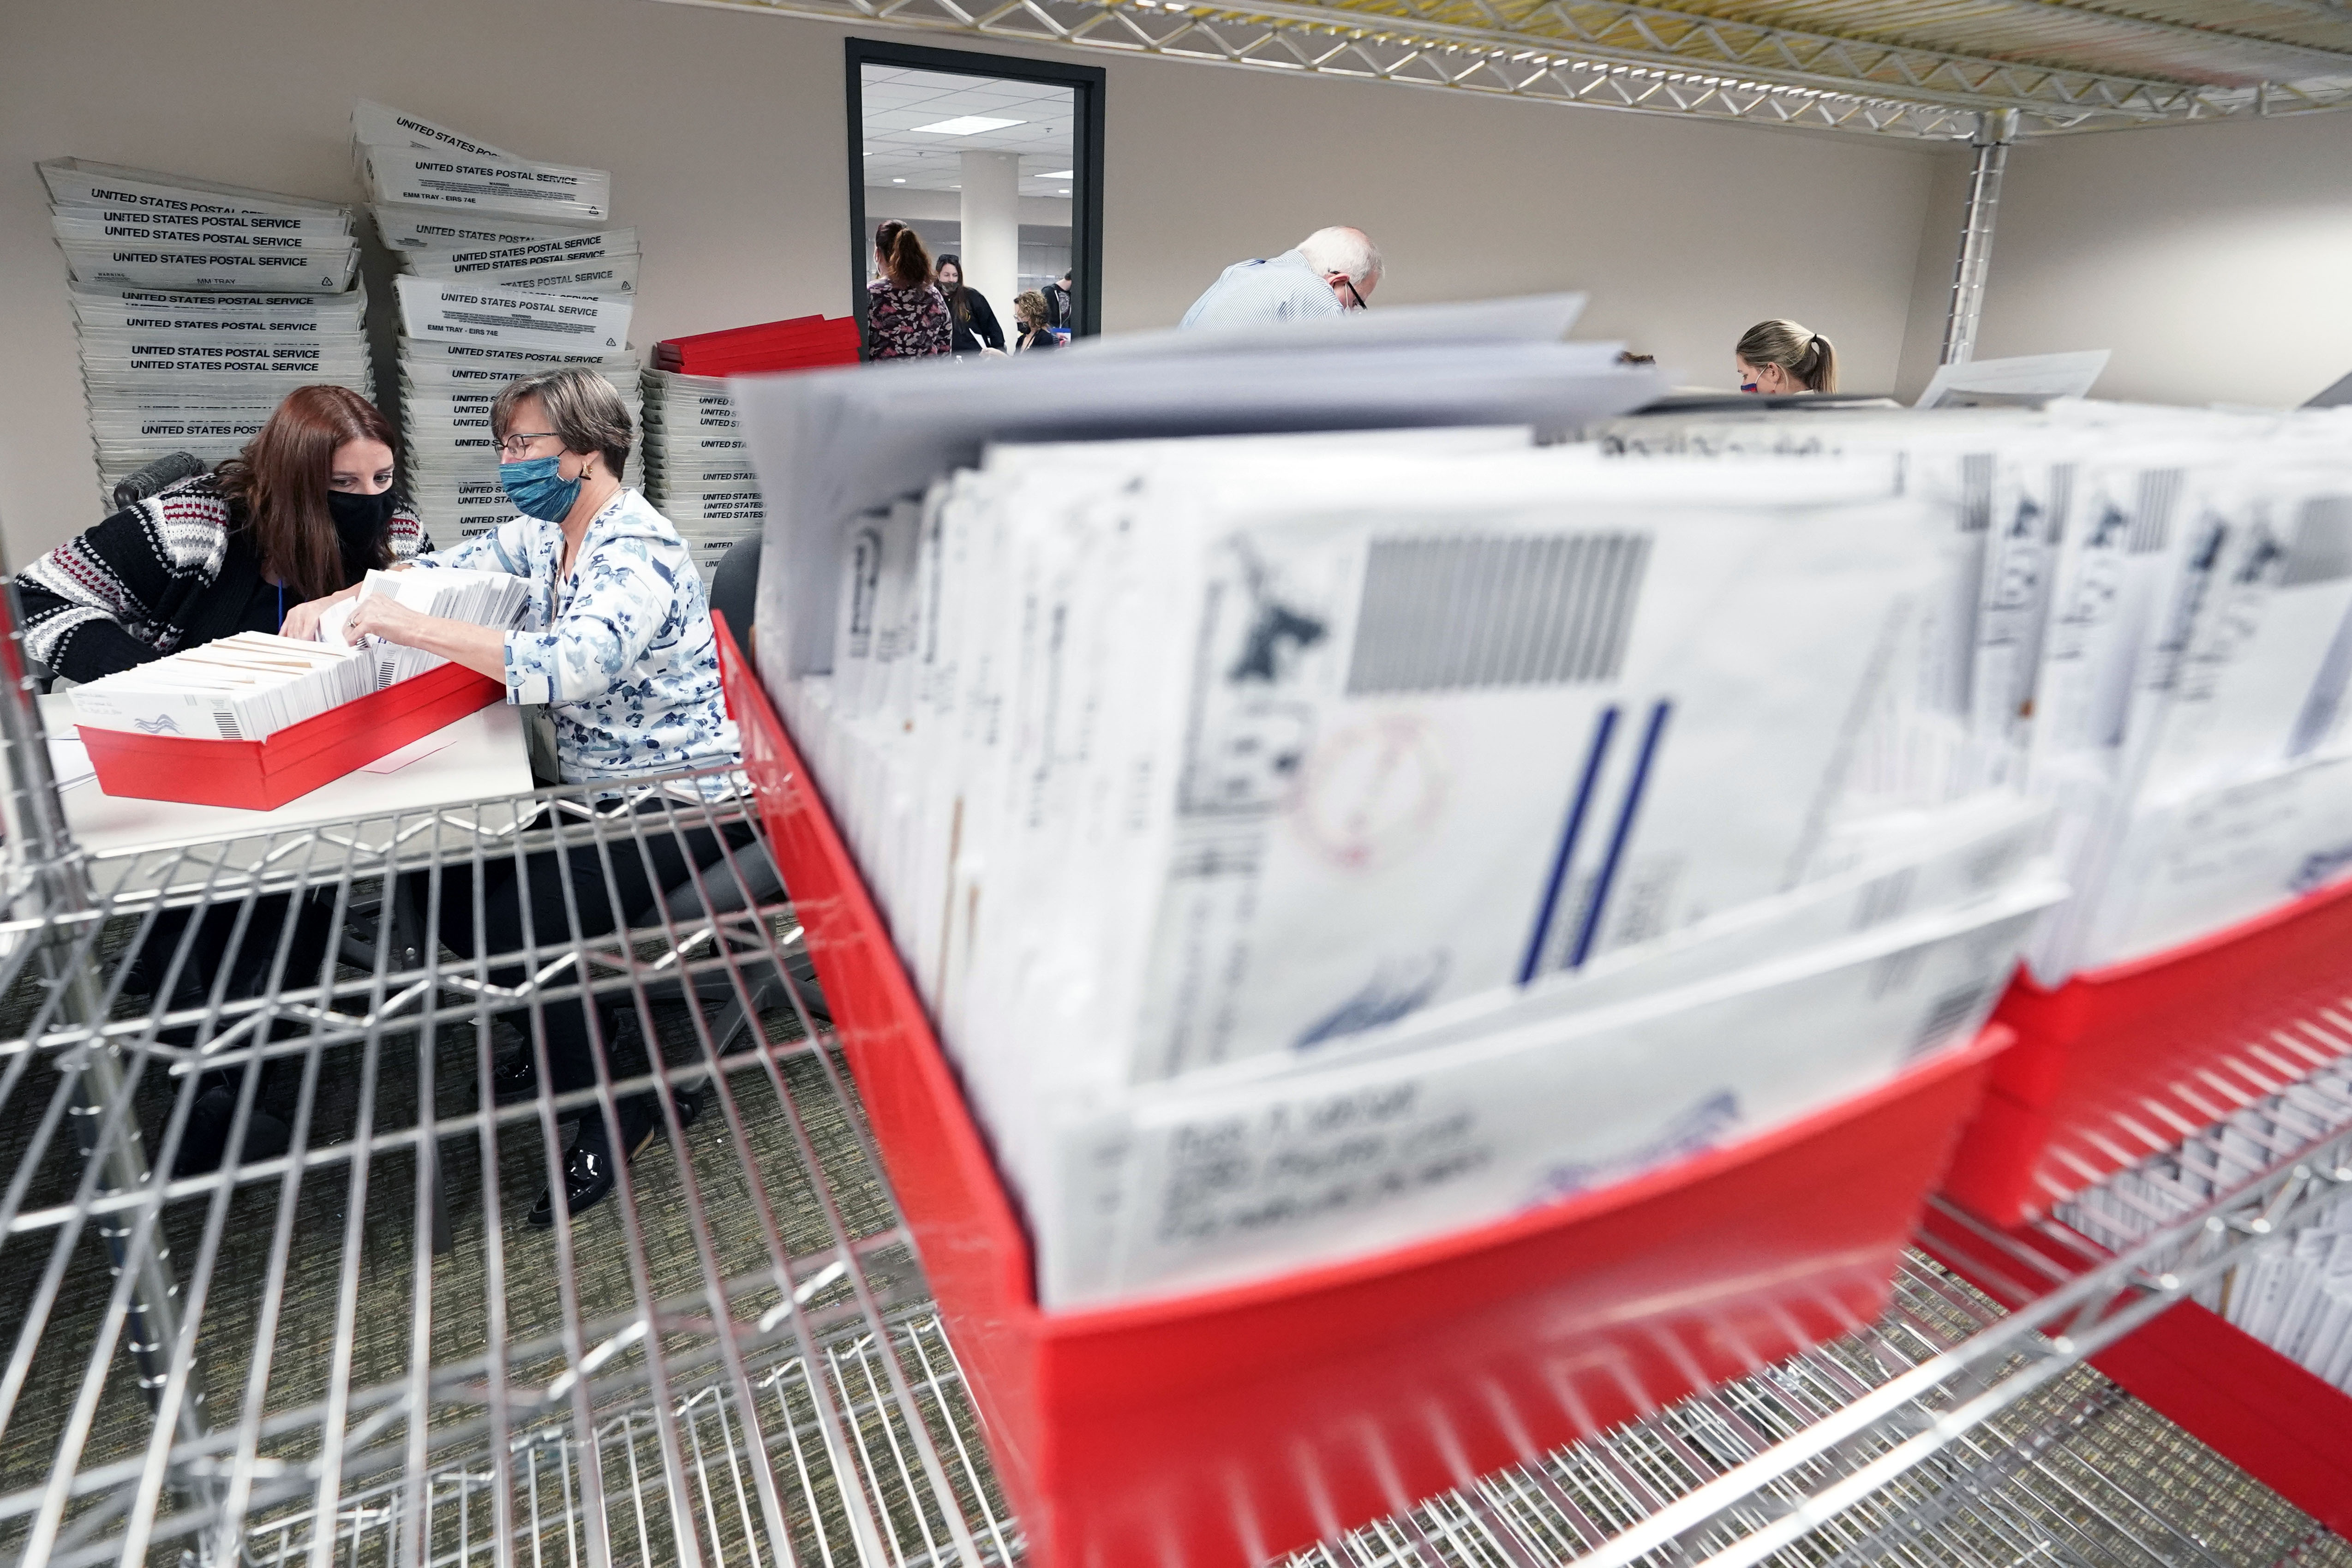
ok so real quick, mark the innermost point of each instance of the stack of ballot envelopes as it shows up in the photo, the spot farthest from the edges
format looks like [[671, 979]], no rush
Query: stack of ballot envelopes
[[1312, 834]]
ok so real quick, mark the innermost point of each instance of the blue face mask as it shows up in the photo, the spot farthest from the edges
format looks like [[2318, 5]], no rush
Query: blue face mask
[[538, 487]]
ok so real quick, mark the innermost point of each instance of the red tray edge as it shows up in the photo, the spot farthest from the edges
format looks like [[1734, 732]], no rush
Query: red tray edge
[[2213, 942]]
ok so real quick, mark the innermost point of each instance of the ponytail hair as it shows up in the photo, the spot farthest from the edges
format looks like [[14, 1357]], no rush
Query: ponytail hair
[[1804, 355], [904, 259]]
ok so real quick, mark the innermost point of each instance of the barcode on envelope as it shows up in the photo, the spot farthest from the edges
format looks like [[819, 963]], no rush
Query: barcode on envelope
[[1454, 614], [1947, 1013]]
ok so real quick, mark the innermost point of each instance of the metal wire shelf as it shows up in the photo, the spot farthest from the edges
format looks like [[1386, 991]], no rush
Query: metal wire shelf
[[1859, 68], [357, 1350]]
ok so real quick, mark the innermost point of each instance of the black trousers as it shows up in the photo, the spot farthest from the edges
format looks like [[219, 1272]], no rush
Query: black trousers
[[210, 949], [533, 895]]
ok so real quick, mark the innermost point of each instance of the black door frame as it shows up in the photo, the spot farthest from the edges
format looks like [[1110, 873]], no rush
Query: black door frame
[[1086, 83]]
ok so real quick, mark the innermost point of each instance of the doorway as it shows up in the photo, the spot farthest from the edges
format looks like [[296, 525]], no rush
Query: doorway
[[993, 159]]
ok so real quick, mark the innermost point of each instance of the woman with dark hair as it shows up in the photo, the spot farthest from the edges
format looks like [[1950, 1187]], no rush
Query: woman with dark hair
[[905, 316], [307, 508], [974, 322], [302, 512]]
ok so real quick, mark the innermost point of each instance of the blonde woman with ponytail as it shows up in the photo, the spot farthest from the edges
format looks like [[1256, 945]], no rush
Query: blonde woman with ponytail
[[1775, 357], [906, 315]]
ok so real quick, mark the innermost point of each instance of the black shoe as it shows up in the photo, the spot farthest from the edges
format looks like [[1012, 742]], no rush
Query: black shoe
[[204, 1142], [517, 1077], [589, 1168]]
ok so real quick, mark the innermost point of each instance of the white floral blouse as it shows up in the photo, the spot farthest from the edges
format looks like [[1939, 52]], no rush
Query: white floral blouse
[[622, 651]]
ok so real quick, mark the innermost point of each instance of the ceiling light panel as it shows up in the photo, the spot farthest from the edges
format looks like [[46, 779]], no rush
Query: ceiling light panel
[[964, 125]]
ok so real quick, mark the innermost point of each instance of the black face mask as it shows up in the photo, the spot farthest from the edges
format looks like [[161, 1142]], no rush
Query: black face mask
[[360, 521]]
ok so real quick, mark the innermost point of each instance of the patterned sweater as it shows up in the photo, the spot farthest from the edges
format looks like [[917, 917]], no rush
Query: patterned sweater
[[172, 571]]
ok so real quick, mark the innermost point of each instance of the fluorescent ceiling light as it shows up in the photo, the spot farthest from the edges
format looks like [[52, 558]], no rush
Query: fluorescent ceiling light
[[965, 125], [1060, 175], [897, 180]]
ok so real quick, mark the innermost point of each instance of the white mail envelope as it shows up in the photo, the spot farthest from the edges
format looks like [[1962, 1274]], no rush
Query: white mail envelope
[[1195, 1190], [1436, 749], [2195, 865]]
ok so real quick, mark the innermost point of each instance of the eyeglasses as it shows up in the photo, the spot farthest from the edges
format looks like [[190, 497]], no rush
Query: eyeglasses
[[517, 443], [1359, 299]]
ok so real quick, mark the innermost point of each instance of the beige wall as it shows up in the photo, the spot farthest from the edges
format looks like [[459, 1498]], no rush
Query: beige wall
[[1046, 212], [723, 131], [2210, 259]]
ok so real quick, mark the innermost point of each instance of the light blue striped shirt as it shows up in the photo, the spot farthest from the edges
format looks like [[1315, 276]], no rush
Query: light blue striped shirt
[[1284, 287]]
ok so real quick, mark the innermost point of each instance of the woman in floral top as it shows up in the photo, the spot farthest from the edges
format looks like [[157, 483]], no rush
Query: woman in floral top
[[906, 314], [617, 640]]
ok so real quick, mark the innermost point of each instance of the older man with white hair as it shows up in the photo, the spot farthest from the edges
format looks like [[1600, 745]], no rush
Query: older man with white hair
[[1331, 272]]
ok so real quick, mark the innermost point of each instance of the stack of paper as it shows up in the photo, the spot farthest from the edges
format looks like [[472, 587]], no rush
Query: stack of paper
[[407, 162], [242, 687], [504, 272], [1310, 844], [199, 305], [479, 598], [698, 472], [604, 263], [2146, 619]]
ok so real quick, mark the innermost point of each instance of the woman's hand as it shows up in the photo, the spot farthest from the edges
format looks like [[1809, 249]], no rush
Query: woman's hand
[[382, 615], [303, 620], [482, 649]]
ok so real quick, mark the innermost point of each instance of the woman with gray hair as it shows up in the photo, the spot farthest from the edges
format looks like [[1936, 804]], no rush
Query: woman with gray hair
[[615, 638]]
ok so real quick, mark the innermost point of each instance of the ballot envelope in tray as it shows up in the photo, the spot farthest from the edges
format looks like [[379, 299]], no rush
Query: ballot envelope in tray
[[254, 720]]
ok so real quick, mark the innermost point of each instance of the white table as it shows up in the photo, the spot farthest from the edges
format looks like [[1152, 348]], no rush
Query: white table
[[485, 761]]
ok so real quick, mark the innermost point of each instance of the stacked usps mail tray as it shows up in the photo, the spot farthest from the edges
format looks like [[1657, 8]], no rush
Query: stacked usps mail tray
[[254, 720], [507, 266], [199, 305], [698, 470], [698, 473]]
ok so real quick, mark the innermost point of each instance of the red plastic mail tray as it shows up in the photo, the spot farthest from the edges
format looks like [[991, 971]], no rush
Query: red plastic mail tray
[[261, 775], [2288, 1429], [796, 343], [2123, 1062], [1227, 1427]]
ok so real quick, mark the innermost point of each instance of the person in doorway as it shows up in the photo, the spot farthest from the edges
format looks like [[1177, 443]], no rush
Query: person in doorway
[[972, 324], [1330, 273], [1061, 314], [616, 639], [906, 315], [308, 507], [1030, 312], [1777, 357]]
